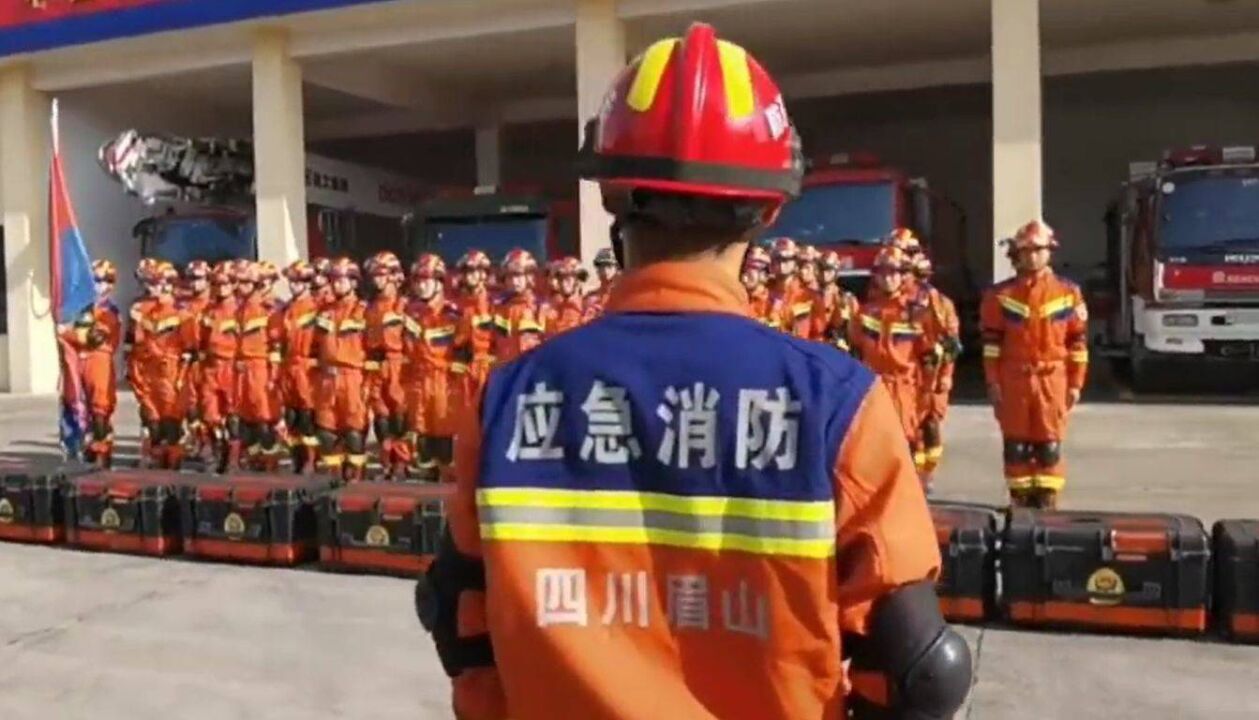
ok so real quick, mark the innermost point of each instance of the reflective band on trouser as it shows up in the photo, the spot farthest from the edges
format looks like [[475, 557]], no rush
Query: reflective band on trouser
[[1048, 482], [765, 527], [992, 351], [1022, 482]]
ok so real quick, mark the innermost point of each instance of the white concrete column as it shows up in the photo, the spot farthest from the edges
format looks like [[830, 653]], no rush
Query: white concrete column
[[24, 157], [1016, 123], [488, 155], [279, 150], [600, 56]]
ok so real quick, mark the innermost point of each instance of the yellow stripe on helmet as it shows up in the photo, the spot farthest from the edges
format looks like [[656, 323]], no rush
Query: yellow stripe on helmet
[[736, 76], [642, 92]]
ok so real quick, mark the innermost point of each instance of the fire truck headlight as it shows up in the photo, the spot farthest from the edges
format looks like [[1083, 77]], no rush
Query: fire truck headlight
[[1180, 320]]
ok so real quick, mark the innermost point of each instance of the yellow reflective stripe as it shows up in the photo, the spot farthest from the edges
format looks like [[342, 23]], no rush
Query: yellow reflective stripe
[[906, 329], [736, 76], [801, 309], [371, 365], [871, 323], [642, 93], [820, 549], [1014, 306], [992, 351], [352, 325], [257, 323], [168, 323], [1023, 482], [1049, 482], [391, 319], [306, 320], [529, 326], [802, 511], [412, 327], [503, 323], [274, 357], [1057, 305], [323, 322], [459, 368], [438, 333], [1080, 356], [935, 453], [479, 320]]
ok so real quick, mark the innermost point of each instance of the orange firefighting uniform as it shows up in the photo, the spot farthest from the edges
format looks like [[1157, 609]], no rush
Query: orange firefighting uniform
[[137, 354], [763, 306], [520, 326], [943, 331], [889, 336], [475, 338], [95, 336], [650, 669], [340, 395], [386, 330], [257, 364], [194, 308], [796, 306], [161, 340], [219, 345], [833, 311], [597, 299], [563, 313], [431, 394], [297, 367], [1035, 335]]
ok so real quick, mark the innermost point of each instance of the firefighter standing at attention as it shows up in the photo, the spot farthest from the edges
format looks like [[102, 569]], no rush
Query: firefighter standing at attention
[[794, 298], [431, 324], [519, 318], [755, 278], [642, 519], [473, 355], [1035, 335], [218, 345], [340, 395], [297, 370], [833, 306], [944, 331], [95, 336], [386, 328], [567, 308]]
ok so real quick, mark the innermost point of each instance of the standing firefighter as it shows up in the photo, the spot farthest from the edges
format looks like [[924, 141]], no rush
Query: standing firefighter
[[833, 306], [1035, 361], [297, 370], [340, 348], [889, 335], [137, 354], [607, 270], [640, 517], [95, 336], [567, 308], [219, 344], [431, 324], [762, 304], [519, 318], [794, 299], [386, 328], [257, 369], [473, 355], [196, 300], [944, 332], [162, 343], [320, 286]]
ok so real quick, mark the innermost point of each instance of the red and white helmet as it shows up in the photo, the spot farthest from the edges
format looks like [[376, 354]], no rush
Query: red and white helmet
[[474, 260], [784, 248], [428, 265], [197, 269], [757, 258], [223, 273], [694, 116], [891, 259], [246, 273], [1035, 235], [922, 265], [905, 239], [104, 271], [518, 262], [267, 271], [569, 266], [343, 267], [299, 271], [384, 264], [830, 260], [809, 254]]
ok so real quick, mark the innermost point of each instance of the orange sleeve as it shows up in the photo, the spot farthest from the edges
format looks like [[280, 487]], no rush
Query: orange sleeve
[[1078, 344], [112, 326], [992, 328], [477, 693], [886, 538]]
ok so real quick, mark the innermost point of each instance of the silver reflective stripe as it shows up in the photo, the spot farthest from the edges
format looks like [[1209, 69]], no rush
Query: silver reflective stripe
[[659, 520]]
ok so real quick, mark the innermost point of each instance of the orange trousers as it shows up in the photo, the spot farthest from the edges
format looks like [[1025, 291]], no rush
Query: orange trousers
[[162, 398], [429, 403], [218, 391], [905, 397], [99, 384], [139, 383], [340, 404], [386, 389], [1033, 418], [255, 391], [296, 378]]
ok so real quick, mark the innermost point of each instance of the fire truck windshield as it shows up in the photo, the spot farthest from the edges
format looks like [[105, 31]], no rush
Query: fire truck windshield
[[495, 236], [180, 240], [826, 214], [1209, 213]]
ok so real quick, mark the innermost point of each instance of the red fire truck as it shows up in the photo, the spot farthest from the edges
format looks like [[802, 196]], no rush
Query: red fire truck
[[851, 201], [1183, 262]]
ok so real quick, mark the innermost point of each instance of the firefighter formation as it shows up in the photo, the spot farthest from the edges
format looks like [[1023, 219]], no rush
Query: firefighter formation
[[224, 370]]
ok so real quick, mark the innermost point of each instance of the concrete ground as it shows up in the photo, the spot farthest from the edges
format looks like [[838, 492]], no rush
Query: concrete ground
[[106, 636]]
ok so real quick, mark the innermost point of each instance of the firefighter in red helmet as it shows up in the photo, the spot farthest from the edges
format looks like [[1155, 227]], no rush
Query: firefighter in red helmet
[[431, 324], [95, 336], [519, 319], [943, 329], [386, 328], [833, 306], [794, 299], [1035, 335], [755, 278], [650, 505], [340, 396], [567, 307], [473, 354], [196, 278], [218, 346], [297, 367]]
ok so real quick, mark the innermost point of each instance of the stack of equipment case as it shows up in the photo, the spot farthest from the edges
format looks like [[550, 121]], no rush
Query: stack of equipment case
[[1145, 573], [267, 519], [967, 535], [1237, 578], [132, 511], [32, 505], [383, 526]]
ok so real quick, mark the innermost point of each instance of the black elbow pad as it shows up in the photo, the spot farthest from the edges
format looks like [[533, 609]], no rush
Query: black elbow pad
[[437, 606], [923, 666]]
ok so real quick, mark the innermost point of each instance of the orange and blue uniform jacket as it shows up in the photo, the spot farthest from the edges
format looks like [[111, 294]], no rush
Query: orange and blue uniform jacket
[[671, 533]]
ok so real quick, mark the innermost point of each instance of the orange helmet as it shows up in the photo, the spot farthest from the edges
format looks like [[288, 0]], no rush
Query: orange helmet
[[267, 271], [343, 267], [197, 269], [246, 272], [830, 261], [1035, 235], [922, 265], [784, 248], [165, 272], [757, 258], [474, 260], [891, 259], [518, 262], [104, 271], [321, 265], [905, 239], [223, 273], [668, 124], [569, 266], [299, 271], [809, 254], [428, 265], [383, 263]]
